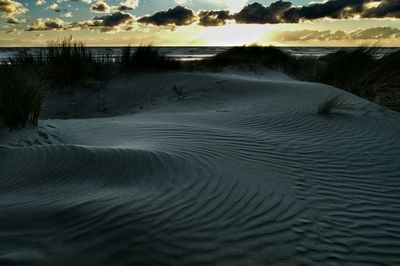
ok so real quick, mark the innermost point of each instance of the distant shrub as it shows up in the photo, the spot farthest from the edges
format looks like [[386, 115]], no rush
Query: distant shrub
[[268, 56], [20, 97], [144, 58]]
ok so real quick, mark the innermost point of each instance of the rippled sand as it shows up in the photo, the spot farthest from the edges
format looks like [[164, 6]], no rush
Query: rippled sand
[[236, 171]]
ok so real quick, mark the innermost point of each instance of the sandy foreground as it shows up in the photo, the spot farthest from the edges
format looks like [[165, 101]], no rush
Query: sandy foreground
[[200, 169]]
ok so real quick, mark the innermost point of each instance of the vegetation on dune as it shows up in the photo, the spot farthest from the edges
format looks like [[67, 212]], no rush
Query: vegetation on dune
[[358, 71], [21, 97], [268, 56], [145, 58], [66, 62], [361, 73], [63, 62], [385, 89], [330, 104]]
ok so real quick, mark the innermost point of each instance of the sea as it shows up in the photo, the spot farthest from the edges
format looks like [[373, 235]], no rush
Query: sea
[[199, 53]]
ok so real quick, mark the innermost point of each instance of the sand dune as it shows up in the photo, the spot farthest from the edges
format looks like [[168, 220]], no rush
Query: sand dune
[[235, 171]]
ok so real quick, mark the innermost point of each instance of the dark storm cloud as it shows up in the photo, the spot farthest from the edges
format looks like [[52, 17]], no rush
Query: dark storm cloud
[[114, 19], [256, 13], [108, 23], [282, 12], [213, 18], [386, 8], [178, 16], [331, 9]]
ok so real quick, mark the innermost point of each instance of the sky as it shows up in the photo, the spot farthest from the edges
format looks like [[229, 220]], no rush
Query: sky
[[201, 22]]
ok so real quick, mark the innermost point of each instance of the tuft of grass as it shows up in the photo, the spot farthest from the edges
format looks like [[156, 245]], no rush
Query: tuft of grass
[[145, 58], [21, 97], [331, 103]]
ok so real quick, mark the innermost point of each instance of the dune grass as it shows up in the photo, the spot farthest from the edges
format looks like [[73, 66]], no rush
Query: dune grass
[[66, 62], [63, 62], [21, 97], [361, 73], [330, 104], [358, 71], [145, 58]]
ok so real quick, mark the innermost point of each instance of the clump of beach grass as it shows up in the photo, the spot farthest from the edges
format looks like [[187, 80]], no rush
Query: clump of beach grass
[[330, 104], [63, 62], [359, 71], [21, 97], [145, 58]]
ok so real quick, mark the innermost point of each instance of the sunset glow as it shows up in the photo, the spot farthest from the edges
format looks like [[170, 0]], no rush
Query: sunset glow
[[199, 22]]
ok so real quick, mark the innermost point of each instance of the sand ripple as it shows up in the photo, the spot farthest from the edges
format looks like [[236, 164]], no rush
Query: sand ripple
[[240, 171]]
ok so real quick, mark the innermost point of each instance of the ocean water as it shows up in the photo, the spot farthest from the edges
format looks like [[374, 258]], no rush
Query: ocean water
[[199, 53]]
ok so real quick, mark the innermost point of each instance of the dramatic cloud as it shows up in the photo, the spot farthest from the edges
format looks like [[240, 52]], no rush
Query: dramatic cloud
[[46, 24], [115, 19], [259, 14], [340, 9], [12, 8], [330, 9], [178, 16], [100, 7], [213, 18], [279, 12], [376, 33], [109, 23]]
